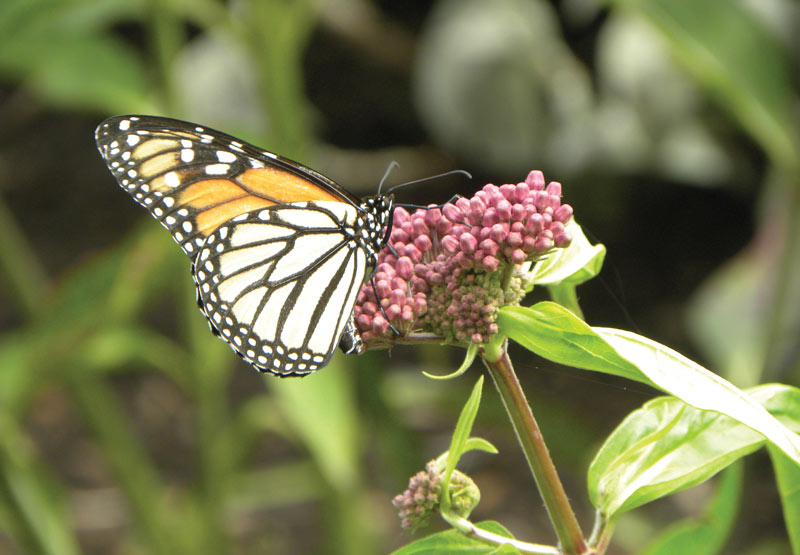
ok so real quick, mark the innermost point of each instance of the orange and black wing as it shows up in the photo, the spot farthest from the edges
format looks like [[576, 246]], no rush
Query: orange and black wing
[[193, 179]]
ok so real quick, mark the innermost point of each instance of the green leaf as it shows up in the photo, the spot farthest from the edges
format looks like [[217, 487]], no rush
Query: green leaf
[[453, 541], [788, 475], [579, 262], [553, 332], [479, 444], [469, 358], [667, 446], [459, 441], [708, 533], [733, 55]]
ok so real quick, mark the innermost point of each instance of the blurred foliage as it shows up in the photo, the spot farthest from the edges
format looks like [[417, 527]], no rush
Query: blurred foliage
[[125, 427]]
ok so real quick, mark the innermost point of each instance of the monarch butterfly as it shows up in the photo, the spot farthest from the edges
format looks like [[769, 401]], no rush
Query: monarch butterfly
[[279, 251]]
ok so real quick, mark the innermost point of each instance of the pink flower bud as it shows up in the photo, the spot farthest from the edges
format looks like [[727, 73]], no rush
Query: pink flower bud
[[432, 217], [518, 256], [477, 338], [554, 189], [400, 215], [544, 243], [405, 267], [517, 212], [504, 210], [398, 235], [468, 243], [379, 324], [398, 297], [535, 180], [508, 191], [499, 232], [364, 322], [393, 312], [490, 263], [535, 224], [562, 239], [514, 239], [423, 243], [383, 288], [490, 217], [419, 227], [477, 208], [450, 244], [528, 243], [412, 252], [563, 213], [521, 191]]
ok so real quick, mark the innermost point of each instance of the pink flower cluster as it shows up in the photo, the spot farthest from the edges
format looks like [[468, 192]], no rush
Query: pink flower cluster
[[456, 265], [420, 500]]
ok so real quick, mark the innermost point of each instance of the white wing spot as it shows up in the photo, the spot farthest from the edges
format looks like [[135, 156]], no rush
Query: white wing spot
[[132, 140], [124, 125], [187, 155], [217, 169], [187, 226], [225, 156], [168, 202], [186, 143], [172, 179]]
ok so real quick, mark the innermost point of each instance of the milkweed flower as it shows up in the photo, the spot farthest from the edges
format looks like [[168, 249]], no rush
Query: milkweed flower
[[451, 268], [420, 500]]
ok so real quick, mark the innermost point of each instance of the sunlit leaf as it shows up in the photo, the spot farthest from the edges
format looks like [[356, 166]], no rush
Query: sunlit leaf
[[553, 332], [452, 541], [667, 446]]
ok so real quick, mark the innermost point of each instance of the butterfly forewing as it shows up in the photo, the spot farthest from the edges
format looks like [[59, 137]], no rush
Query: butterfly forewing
[[193, 179], [279, 284]]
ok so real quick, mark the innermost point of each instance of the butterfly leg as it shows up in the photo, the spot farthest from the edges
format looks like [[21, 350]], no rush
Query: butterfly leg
[[350, 342]]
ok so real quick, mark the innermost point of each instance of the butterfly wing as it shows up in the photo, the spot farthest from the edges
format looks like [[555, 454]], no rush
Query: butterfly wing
[[193, 179], [279, 284]]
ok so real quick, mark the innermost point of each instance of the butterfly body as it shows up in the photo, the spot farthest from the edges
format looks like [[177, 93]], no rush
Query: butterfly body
[[279, 251]]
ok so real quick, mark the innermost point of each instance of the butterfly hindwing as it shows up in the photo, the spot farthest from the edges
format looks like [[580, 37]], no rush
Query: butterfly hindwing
[[279, 284]]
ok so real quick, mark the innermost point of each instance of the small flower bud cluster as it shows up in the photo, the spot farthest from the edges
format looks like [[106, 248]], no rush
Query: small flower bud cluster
[[421, 499], [452, 267]]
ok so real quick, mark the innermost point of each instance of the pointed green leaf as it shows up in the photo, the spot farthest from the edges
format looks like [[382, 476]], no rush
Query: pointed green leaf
[[459, 441], [553, 332], [453, 541], [667, 446]]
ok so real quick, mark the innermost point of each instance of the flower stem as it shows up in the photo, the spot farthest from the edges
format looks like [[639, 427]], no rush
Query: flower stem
[[530, 438]]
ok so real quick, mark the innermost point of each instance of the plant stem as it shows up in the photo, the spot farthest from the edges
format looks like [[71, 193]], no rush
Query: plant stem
[[530, 438]]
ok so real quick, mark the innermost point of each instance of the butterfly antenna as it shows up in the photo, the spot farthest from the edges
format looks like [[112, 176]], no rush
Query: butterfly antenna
[[392, 165], [431, 178]]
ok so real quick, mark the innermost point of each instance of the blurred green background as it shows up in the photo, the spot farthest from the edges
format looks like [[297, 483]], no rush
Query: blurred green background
[[126, 428]]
